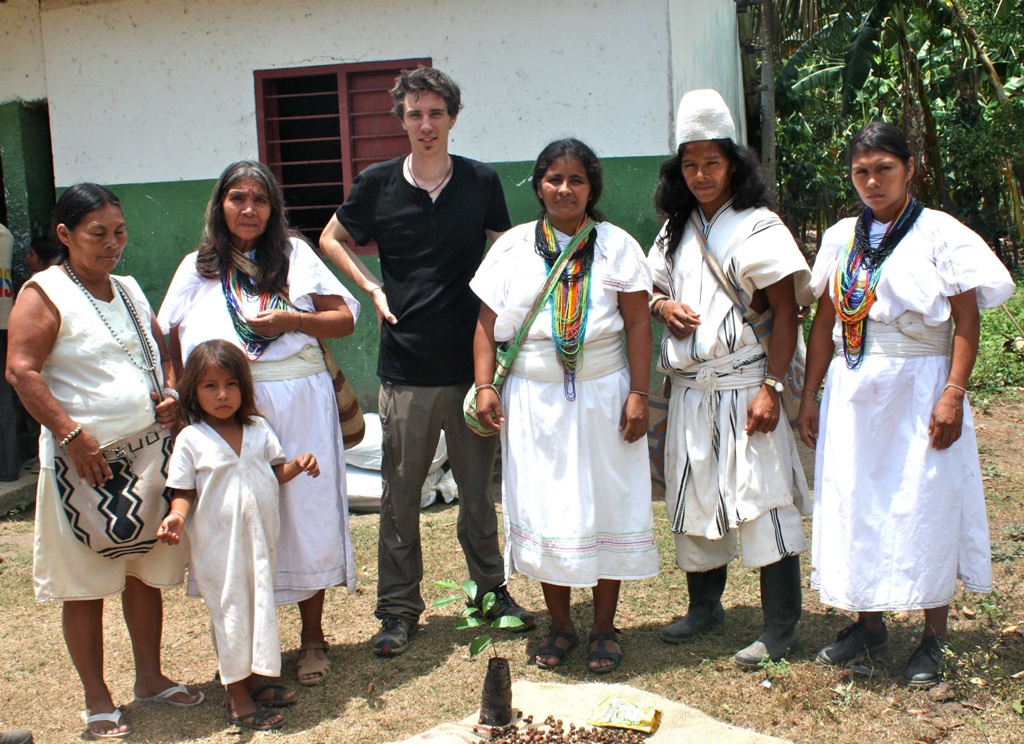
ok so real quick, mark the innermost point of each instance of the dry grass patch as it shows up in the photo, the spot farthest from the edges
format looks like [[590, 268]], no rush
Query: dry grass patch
[[369, 700]]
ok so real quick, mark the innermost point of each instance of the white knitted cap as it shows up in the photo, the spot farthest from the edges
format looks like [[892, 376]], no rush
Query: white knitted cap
[[703, 115]]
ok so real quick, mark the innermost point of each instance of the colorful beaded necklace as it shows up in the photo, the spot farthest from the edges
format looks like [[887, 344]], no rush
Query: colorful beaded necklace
[[570, 301], [237, 288], [858, 272]]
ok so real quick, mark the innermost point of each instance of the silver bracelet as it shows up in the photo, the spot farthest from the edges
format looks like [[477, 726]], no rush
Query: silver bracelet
[[488, 386], [175, 511], [71, 435], [640, 393], [379, 286], [171, 393], [955, 387]]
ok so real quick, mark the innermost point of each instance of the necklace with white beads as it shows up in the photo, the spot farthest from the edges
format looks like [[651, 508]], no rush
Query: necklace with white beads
[[147, 351]]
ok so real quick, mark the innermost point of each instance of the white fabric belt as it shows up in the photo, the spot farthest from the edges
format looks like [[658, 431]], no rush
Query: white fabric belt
[[308, 362], [742, 369], [906, 336], [537, 359]]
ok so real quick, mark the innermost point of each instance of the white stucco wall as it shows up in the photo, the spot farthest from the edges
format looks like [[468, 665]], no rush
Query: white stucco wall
[[22, 77], [704, 48], [162, 90]]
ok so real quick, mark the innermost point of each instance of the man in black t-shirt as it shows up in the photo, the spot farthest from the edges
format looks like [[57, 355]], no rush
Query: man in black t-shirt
[[431, 214]]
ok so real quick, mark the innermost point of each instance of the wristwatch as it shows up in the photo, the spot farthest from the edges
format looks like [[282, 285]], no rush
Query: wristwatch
[[774, 384]]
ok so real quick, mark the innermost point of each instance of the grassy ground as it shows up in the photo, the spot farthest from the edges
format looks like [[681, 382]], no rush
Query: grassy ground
[[370, 700]]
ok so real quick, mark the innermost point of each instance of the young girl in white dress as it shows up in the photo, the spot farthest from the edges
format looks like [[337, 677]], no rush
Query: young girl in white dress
[[226, 468]]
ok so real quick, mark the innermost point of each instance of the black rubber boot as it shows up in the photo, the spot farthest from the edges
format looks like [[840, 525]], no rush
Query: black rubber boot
[[705, 611], [782, 603]]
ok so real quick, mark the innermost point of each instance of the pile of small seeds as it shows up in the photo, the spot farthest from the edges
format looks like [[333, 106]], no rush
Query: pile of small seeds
[[553, 731]]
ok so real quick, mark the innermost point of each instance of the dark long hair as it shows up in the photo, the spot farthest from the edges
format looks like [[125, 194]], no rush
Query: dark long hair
[[271, 247], [675, 202], [572, 148], [215, 353], [880, 136], [72, 207]]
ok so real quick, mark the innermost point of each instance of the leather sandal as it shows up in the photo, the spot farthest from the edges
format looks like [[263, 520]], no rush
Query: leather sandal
[[312, 669], [278, 697], [257, 720], [551, 648], [602, 652]]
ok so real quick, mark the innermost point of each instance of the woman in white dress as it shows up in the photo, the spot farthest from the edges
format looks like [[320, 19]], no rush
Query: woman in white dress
[[899, 511], [86, 363], [276, 314], [573, 412]]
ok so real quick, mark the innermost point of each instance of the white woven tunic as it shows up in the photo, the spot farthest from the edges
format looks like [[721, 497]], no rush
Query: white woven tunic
[[315, 549], [716, 475], [576, 497], [232, 540], [895, 520]]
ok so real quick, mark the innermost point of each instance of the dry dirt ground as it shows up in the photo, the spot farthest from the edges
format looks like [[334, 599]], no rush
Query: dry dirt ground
[[370, 700]]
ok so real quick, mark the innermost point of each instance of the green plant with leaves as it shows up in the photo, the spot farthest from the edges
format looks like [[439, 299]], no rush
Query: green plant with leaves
[[947, 72], [476, 612]]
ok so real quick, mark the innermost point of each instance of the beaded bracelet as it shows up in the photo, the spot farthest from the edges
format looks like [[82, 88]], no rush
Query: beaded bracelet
[[71, 435], [171, 393], [488, 386]]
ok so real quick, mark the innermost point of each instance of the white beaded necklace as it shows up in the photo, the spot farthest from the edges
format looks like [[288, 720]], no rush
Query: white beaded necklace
[[147, 351]]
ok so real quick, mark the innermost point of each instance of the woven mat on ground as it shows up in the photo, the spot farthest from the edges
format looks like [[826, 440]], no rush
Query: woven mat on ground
[[680, 724]]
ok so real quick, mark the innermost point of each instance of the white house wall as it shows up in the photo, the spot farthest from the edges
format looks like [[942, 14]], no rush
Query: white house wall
[[162, 90], [22, 76]]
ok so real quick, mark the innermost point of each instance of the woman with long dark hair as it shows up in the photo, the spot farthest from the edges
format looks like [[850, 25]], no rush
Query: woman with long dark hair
[[731, 466], [899, 512], [573, 411], [256, 283]]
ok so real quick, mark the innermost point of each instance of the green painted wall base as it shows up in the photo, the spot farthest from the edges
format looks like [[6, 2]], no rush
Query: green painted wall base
[[165, 221], [27, 175]]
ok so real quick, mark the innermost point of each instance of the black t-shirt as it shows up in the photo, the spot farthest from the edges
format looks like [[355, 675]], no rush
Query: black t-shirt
[[428, 253]]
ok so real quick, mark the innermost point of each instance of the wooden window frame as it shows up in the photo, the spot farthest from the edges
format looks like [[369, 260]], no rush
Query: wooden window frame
[[265, 123]]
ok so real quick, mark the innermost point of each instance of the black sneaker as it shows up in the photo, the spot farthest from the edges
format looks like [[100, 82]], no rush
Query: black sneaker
[[392, 638], [505, 605], [852, 643], [924, 665]]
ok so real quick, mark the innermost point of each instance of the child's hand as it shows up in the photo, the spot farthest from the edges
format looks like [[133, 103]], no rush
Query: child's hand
[[308, 464], [170, 529]]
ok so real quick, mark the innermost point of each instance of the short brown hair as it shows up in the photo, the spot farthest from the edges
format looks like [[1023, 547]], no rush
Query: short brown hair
[[425, 80], [215, 353]]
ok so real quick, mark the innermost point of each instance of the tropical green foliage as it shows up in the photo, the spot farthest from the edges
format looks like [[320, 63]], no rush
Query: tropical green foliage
[[949, 73], [1000, 364]]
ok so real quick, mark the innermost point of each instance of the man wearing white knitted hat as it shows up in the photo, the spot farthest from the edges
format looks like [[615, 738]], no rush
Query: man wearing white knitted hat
[[723, 259]]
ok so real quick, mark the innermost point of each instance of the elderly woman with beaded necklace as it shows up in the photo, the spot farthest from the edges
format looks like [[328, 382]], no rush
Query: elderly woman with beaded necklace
[[899, 511], [576, 485], [257, 284], [87, 361]]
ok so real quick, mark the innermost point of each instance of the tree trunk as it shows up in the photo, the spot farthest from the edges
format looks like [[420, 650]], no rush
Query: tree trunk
[[768, 125]]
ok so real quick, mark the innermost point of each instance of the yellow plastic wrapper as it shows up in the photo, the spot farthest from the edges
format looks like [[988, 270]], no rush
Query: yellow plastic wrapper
[[618, 713]]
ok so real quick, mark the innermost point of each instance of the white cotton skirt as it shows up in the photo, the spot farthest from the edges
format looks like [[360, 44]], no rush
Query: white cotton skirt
[[576, 496], [65, 569], [895, 520], [314, 550]]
